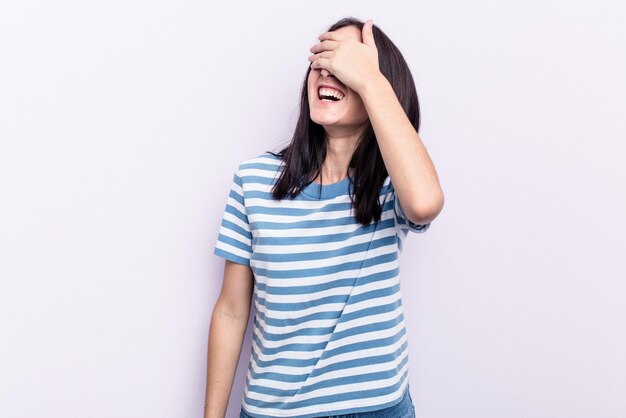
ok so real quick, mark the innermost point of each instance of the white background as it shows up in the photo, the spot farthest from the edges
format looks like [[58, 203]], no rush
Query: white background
[[121, 124]]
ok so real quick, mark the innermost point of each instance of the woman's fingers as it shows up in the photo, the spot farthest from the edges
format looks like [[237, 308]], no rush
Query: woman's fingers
[[332, 35], [324, 46], [325, 54], [321, 63]]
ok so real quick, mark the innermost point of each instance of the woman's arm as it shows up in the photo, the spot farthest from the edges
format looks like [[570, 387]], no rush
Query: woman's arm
[[228, 328], [411, 170]]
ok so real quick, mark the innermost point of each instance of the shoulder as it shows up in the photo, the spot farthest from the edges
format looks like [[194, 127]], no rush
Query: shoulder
[[262, 162], [260, 169]]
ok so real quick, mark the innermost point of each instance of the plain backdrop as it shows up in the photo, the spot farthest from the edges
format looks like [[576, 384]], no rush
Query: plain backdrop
[[122, 122]]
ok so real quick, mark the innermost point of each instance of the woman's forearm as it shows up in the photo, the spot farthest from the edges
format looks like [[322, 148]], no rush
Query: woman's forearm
[[407, 161], [224, 349]]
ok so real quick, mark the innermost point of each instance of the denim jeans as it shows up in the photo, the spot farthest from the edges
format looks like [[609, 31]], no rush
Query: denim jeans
[[404, 409]]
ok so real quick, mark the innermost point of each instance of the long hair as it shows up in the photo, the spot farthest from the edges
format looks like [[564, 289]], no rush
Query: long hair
[[305, 154]]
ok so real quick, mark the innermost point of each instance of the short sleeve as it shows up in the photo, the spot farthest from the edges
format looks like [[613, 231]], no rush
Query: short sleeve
[[234, 241], [402, 223]]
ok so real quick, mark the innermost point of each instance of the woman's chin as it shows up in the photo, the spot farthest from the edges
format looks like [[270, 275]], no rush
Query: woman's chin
[[324, 118], [326, 122]]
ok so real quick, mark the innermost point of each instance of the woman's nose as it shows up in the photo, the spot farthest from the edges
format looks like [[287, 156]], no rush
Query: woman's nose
[[325, 73]]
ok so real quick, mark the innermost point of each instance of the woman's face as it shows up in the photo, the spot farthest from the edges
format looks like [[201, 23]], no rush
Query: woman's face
[[341, 117]]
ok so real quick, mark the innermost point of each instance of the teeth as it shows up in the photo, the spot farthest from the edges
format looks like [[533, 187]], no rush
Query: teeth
[[323, 91]]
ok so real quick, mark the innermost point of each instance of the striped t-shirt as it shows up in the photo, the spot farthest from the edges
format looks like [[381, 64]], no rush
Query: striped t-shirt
[[329, 335]]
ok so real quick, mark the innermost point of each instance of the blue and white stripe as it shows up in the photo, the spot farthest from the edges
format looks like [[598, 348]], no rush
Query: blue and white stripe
[[329, 335]]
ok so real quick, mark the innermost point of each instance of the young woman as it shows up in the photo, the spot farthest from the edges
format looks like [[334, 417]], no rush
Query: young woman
[[313, 235]]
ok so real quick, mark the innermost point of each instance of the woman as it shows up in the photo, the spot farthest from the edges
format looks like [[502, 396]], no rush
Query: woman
[[314, 232]]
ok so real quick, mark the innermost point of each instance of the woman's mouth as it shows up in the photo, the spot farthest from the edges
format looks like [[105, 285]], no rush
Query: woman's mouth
[[328, 95]]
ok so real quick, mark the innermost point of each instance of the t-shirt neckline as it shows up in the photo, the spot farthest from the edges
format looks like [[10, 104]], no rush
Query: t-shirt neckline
[[328, 191]]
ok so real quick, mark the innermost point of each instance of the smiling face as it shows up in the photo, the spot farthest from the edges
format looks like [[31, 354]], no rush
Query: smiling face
[[338, 117]]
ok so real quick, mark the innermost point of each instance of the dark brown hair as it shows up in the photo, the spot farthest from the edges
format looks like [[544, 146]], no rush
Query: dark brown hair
[[304, 156]]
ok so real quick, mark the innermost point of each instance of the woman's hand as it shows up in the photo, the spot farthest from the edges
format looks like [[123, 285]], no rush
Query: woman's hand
[[354, 63]]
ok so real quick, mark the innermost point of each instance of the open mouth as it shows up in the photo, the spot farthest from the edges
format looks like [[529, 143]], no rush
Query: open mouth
[[326, 94]]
